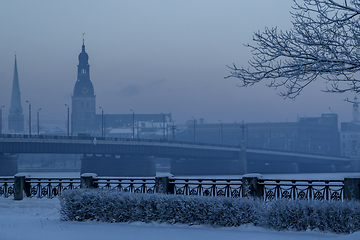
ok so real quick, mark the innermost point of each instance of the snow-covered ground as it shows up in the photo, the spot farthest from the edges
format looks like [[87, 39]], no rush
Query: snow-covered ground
[[36, 219]]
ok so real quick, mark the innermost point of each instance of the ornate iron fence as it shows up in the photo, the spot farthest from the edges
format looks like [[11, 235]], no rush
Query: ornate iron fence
[[206, 187], [134, 185], [7, 187], [268, 189], [49, 187], [302, 189]]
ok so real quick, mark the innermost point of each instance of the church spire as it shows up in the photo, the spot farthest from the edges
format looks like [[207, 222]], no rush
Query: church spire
[[16, 117], [15, 97]]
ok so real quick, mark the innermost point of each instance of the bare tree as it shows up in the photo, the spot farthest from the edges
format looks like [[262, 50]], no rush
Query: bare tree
[[324, 42]]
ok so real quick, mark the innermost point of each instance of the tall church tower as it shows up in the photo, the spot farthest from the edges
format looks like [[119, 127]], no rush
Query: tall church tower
[[16, 116], [83, 98], [355, 111]]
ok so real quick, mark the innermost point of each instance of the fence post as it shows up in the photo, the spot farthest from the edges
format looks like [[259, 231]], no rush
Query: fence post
[[20, 186], [87, 180], [352, 188], [162, 184], [250, 186]]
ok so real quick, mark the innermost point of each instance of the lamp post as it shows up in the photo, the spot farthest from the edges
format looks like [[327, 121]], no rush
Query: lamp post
[[1, 119], [102, 121], [38, 121], [164, 127], [137, 129], [29, 117], [68, 119], [173, 128], [221, 132], [194, 128], [104, 126], [133, 123], [72, 130]]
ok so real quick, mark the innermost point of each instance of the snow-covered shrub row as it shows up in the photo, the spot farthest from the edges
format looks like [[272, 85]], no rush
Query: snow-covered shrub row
[[339, 217], [115, 206]]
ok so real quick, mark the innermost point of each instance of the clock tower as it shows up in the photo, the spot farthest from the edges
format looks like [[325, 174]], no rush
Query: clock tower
[[83, 98]]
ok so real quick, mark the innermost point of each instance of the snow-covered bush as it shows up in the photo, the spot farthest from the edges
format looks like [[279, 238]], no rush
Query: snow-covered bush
[[116, 206], [339, 217]]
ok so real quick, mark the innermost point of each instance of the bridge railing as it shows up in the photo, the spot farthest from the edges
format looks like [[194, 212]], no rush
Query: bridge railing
[[267, 189], [43, 136]]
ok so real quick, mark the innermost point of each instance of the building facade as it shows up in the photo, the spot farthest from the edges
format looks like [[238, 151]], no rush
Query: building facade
[[149, 126], [350, 134], [316, 135]]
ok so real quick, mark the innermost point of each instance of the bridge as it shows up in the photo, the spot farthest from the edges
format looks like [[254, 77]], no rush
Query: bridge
[[186, 157]]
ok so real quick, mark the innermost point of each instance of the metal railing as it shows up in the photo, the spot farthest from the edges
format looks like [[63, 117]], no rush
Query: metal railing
[[113, 139], [267, 189], [49, 187], [6, 187], [303, 189], [206, 187], [133, 185]]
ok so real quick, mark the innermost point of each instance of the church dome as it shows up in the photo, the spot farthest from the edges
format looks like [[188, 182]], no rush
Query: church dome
[[83, 86], [83, 56]]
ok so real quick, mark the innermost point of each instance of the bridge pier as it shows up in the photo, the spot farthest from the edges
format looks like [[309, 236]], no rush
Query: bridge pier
[[8, 165], [124, 166], [183, 167]]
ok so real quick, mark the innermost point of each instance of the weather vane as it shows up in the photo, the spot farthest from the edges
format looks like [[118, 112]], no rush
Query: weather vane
[[83, 37]]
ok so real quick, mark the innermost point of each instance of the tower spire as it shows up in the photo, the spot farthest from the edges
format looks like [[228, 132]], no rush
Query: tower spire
[[15, 96], [16, 117], [83, 98]]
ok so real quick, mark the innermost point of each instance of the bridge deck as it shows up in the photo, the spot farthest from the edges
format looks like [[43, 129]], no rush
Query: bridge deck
[[143, 147]]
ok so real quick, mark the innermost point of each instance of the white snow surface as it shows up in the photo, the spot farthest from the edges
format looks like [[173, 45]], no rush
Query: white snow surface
[[38, 219]]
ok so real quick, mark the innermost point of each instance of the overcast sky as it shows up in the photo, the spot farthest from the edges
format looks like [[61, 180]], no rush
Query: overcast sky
[[149, 56]]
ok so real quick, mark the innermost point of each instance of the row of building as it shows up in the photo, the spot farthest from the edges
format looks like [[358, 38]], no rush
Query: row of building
[[317, 135]]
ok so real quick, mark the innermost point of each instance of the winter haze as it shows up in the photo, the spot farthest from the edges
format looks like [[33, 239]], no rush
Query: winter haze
[[149, 56]]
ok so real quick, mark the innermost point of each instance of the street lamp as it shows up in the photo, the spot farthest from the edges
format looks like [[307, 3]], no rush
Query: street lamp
[[29, 117], [68, 119], [1, 118], [133, 123], [102, 121], [173, 128], [163, 126], [194, 127], [38, 121], [221, 132]]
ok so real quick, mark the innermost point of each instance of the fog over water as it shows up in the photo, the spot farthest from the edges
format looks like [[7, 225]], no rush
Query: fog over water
[[149, 56]]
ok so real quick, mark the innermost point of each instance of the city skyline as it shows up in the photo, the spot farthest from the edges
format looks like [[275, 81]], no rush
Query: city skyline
[[168, 57]]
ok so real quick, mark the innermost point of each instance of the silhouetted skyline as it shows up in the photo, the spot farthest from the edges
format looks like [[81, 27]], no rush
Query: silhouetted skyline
[[149, 56]]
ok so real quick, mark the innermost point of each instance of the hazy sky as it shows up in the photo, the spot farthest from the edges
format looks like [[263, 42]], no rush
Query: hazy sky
[[149, 56]]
